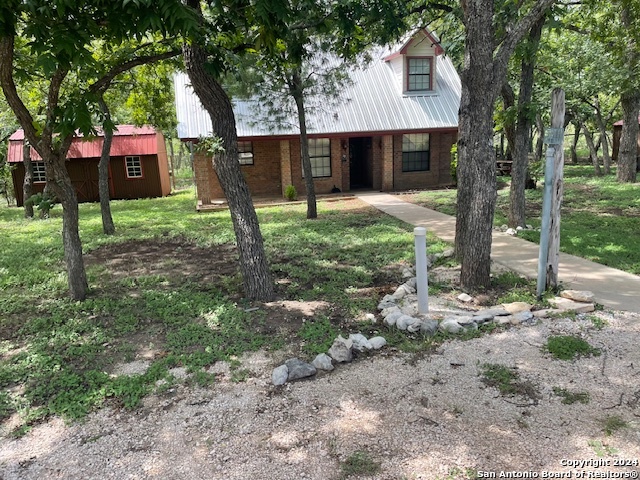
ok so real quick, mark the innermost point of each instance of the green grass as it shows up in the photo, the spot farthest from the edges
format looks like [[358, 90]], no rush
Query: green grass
[[58, 356], [569, 397], [359, 464], [598, 215], [568, 347]]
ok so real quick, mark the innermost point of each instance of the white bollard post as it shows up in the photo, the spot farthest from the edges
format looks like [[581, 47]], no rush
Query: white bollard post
[[422, 282]]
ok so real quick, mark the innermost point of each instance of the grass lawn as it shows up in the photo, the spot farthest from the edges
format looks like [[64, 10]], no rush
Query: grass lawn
[[165, 290], [600, 217]]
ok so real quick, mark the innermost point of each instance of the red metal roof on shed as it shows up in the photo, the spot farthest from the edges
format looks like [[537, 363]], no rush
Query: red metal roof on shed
[[127, 140]]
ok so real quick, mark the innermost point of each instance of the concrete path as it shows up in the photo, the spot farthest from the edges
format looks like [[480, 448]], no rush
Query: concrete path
[[613, 288]]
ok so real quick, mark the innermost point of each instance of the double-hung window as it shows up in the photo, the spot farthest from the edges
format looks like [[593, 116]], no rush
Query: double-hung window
[[415, 152], [245, 153], [320, 156], [418, 74]]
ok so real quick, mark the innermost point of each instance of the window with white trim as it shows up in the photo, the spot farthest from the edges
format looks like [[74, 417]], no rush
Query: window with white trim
[[415, 152], [320, 156], [39, 174], [134, 167], [245, 153], [418, 74]]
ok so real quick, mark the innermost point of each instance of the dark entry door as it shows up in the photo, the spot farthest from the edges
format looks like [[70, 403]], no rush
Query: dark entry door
[[360, 163]]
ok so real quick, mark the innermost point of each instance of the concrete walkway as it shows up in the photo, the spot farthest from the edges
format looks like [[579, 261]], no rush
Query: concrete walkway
[[613, 288]]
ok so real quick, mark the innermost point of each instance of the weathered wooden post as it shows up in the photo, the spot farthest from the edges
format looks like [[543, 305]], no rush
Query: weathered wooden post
[[552, 201]]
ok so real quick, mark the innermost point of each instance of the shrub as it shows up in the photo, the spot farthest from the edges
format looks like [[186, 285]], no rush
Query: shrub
[[290, 193]]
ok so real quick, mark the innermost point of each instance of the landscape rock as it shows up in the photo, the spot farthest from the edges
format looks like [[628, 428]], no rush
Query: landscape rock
[[360, 342], [299, 369], [404, 321], [511, 231], [407, 273], [389, 310], [579, 296], [516, 307], [465, 320], [412, 282], [429, 327], [450, 326], [503, 320], [393, 317], [341, 351], [323, 362], [494, 312], [464, 297], [377, 342], [414, 327], [371, 317], [521, 317], [542, 313], [280, 375], [480, 317], [387, 301], [448, 252], [565, 304]]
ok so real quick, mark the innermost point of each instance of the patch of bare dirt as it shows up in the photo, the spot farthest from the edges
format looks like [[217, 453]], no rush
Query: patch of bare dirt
[[174, 259]]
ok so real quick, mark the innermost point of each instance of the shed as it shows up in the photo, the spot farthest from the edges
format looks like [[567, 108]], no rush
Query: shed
[[138, 166], [617, 133]]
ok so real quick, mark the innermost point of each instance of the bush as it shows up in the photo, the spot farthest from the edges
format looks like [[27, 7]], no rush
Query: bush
[[290, 193]]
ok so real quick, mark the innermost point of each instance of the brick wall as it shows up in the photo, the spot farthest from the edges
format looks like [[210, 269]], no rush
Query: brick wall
[[263, 177], [439, 173]]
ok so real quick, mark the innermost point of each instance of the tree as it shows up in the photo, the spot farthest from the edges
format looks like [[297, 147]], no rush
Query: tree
[[202, 69], [63, 38], [519, 136], [487, 52], [616, 25]]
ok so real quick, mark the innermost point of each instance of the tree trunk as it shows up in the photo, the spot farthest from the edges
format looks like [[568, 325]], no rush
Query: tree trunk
[[59, 183], [540, 141], [103, 174], [520, 165], [298, 96], [604, 140], [476, 155], [574, 142], [27, 185], [628, 153], [253, 261], [593, 154]]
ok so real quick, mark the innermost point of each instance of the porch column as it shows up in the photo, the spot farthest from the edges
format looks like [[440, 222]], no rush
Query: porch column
[[387, 163], [285, 165]]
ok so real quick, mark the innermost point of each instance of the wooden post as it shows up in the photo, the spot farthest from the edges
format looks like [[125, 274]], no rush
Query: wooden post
[[552, 200], [557, 122]]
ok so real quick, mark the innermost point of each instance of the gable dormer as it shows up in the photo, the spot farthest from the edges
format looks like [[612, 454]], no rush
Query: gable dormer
[[415, 62]]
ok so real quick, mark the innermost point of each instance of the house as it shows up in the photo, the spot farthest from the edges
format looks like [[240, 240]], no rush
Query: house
[[138, 167], [392, 128], [617, 133]]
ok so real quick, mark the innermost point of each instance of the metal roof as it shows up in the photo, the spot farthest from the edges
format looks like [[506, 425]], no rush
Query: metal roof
[[127, 140], [372, 102]]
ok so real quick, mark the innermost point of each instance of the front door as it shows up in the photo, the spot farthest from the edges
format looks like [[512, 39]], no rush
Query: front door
[[360, 163]]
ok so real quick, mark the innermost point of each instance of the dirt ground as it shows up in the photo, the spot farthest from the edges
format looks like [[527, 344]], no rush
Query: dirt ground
[[387, 415]]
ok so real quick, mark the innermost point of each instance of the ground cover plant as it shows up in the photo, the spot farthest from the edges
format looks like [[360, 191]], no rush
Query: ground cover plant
[[598, 215], [165, 292]]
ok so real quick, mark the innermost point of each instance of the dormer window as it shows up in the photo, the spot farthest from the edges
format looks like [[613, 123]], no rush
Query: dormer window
[[419, 73]]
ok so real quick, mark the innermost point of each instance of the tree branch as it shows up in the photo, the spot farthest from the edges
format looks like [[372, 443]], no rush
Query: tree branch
[[11, 93], [104, 82]]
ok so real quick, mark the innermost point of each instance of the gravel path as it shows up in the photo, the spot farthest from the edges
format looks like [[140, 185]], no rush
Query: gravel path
[[416, 416]]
